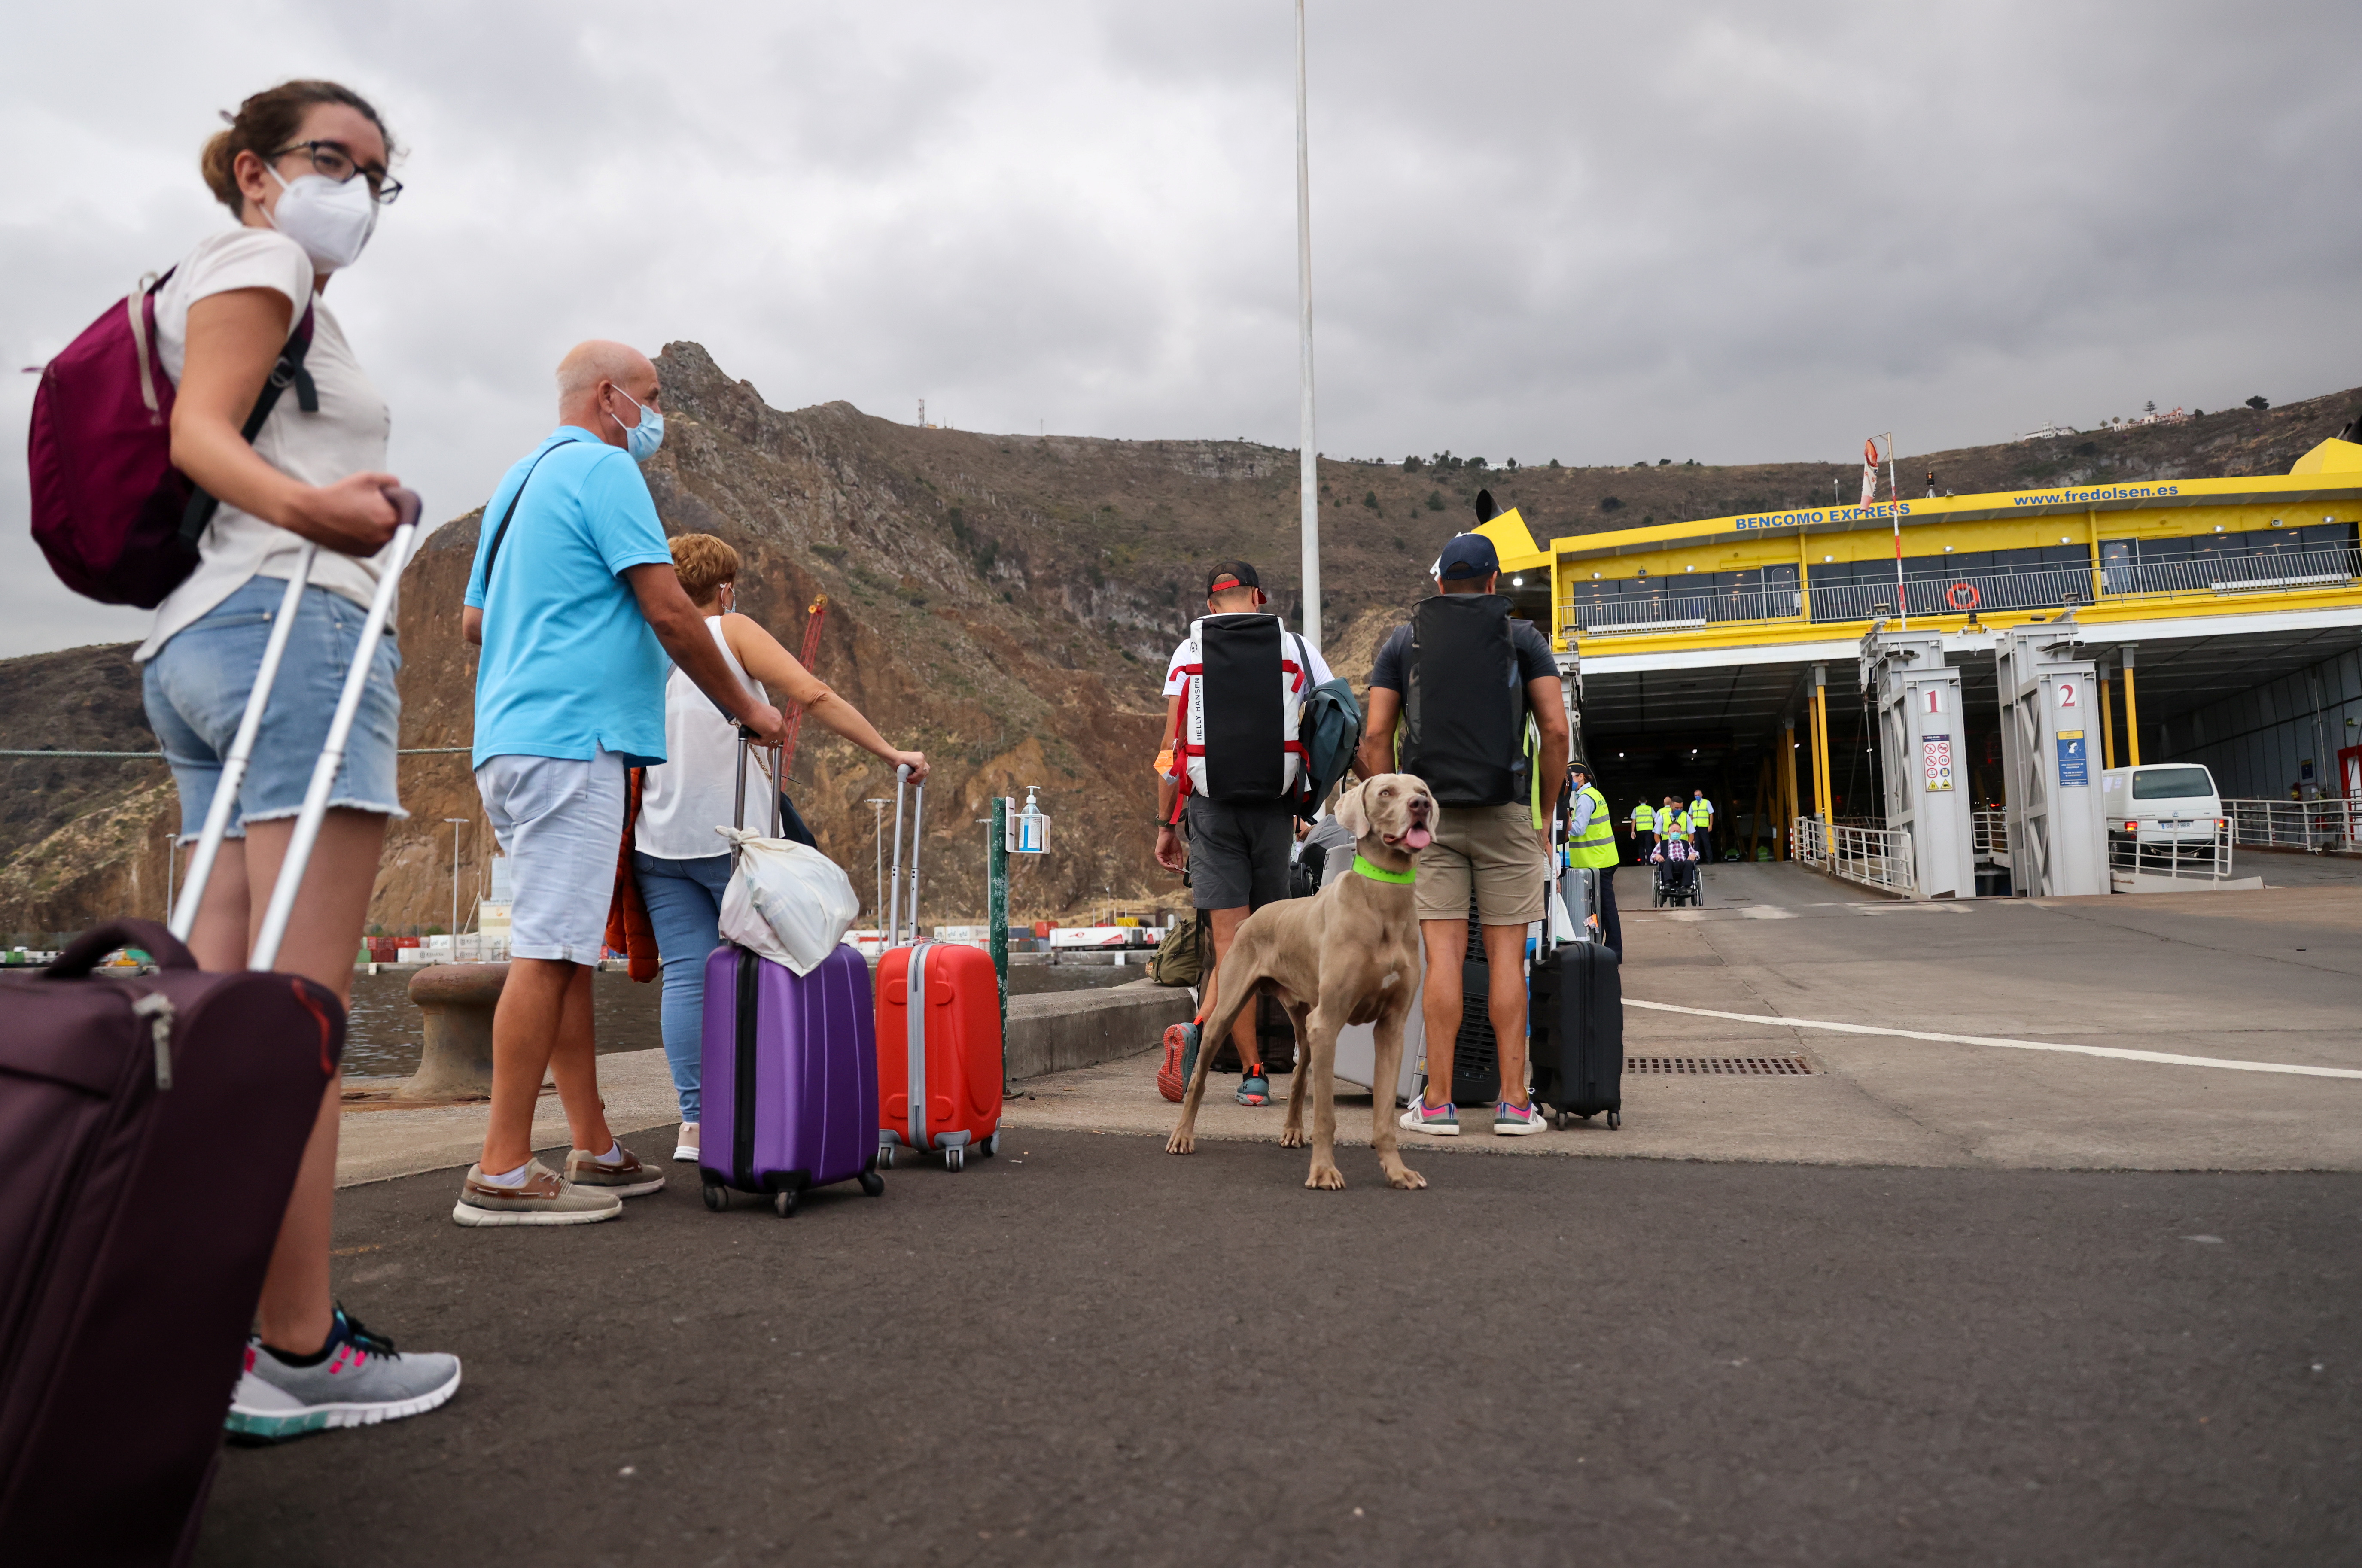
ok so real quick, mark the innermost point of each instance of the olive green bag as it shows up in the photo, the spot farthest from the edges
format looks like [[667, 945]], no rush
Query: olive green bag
[[1179, 959]]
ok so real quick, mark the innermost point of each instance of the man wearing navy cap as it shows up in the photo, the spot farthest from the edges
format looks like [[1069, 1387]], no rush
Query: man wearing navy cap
[[1483, 722]]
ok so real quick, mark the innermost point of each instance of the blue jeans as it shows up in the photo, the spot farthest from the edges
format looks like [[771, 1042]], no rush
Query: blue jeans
[[684, 900]]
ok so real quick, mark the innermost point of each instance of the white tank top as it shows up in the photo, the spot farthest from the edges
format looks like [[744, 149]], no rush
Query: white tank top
[[689, 794]]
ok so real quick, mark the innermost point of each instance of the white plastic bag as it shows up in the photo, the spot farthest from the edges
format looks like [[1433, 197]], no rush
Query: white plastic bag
[[1562, 925], [785, 901]]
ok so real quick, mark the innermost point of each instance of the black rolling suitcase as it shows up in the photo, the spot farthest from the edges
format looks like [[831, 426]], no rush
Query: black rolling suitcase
[[1575, 1032]]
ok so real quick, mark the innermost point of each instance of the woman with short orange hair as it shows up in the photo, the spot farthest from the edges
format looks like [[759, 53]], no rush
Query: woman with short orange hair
[[679, 862]]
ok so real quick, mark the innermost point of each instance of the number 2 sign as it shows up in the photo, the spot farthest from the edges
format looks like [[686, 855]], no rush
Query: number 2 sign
[[2067, 694]]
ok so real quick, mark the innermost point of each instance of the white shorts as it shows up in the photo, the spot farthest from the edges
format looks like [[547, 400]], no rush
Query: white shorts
[[560, 822]]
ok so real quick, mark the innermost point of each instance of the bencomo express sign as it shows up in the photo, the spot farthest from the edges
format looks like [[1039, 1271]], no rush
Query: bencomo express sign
[[1887, 508], [1818, 514]]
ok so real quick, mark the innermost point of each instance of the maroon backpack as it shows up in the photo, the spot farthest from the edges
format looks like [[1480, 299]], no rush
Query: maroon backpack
[[118, 522]]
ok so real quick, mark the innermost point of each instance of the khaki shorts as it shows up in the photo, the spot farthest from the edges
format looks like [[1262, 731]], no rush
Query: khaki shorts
[[1498, 848]]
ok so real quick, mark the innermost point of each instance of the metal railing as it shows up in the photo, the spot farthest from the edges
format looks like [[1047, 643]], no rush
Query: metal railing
[[2204, 860], [1674, 607], [1988, 589], [2263, 572], [1988, 833], [2318, 827], [1876, 857]]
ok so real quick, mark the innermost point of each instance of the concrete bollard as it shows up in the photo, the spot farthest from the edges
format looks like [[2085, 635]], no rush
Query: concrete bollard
[[457, 1061]]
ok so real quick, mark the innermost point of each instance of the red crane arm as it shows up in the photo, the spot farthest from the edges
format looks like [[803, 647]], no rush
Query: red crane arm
[[814, 613]]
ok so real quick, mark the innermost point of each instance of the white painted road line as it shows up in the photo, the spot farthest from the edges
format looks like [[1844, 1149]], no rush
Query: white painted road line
[[2168, 1057]]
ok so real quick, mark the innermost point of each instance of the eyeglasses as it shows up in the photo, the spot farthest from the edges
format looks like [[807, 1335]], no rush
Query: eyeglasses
[[334, 160]]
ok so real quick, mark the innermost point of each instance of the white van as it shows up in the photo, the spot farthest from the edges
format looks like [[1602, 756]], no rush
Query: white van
[[2161, 803]]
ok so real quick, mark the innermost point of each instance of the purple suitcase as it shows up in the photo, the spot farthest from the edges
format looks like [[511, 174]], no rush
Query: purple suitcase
[[125, 1292], [790, 1076]]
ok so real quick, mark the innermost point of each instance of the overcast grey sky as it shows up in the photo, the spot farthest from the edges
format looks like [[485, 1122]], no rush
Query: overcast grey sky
[[1600, 233]]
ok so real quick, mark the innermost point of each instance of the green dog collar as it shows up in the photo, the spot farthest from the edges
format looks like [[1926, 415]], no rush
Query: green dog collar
[[1379, 874]]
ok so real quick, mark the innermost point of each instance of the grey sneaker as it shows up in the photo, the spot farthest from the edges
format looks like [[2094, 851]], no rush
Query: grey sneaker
[[1437, 1121], [360, 1381], [1518, 1121], [628, 1178], [544, 1200]]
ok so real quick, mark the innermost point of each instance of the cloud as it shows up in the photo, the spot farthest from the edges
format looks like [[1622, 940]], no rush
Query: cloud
[[1731, 232]]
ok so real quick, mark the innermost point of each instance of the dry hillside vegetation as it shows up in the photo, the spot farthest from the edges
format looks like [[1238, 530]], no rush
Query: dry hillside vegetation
[[1005, 602]]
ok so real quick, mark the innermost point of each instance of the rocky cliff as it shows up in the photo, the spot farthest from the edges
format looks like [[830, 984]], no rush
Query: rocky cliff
[[1004, 602]]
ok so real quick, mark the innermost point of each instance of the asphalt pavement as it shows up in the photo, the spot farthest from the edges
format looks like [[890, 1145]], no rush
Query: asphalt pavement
[[1090, 1351]]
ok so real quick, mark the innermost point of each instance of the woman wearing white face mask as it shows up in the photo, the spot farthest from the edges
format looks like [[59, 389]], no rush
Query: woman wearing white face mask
[[303, 167]]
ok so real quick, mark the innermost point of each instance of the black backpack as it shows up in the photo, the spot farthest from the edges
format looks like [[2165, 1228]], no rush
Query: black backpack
[[1463, 706]]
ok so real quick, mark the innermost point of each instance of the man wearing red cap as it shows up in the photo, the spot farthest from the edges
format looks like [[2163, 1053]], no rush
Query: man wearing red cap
[[1231, 690]]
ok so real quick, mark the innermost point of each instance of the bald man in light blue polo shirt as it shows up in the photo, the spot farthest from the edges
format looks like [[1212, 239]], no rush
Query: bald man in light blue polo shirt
[[576, 604]]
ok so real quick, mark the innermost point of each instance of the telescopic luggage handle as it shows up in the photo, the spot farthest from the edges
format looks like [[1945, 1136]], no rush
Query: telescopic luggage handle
[[738, 799], [282, 906], [918, 793]]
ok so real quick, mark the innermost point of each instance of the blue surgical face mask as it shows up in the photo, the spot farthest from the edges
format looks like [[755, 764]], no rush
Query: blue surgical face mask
[[641, 440]]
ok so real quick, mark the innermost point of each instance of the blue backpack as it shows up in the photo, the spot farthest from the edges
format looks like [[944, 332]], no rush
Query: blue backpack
[[1329, 730]]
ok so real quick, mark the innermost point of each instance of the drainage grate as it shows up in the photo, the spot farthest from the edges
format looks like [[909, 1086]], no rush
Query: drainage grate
[[1749, 1066]]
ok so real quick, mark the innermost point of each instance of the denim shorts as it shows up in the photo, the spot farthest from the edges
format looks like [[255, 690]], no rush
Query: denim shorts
[[195, 690]]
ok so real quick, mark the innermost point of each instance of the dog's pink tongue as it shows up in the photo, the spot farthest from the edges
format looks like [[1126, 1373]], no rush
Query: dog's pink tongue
[[1418, 838]]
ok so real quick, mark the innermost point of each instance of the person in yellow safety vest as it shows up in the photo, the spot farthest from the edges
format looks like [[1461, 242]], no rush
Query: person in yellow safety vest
[[1701, 825], [1591, 845], [1644, 829], [1671, 821]]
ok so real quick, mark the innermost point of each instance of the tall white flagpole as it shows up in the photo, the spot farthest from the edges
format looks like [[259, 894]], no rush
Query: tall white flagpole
[[1309, 460], [1894, 495]]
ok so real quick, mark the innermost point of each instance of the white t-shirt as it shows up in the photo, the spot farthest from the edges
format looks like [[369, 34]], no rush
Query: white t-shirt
[[347, 436], [688, 795], [1289, 645]]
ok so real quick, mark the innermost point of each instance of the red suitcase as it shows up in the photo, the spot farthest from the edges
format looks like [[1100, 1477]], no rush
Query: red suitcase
[[939, 1043]]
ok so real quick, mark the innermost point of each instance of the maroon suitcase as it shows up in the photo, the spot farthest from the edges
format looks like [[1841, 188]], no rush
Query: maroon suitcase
[[151, 1126]]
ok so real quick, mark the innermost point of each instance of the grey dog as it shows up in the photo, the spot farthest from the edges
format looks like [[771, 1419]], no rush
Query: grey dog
[[1347, 955]]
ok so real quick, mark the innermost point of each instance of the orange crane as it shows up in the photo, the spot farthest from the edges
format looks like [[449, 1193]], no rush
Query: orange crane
[[814, 613]]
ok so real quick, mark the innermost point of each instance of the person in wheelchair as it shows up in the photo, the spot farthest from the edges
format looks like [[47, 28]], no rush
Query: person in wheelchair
[[1674, 872]]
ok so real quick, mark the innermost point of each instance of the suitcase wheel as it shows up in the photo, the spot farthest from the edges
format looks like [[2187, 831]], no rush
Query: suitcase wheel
[[717, 1197], [956, 1159], [1614, 1121], [872, 1183], [990, 1147], [784, 1201], [886, 1155]]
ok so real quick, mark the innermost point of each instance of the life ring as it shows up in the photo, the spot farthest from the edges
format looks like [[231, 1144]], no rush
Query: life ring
[[1963, 596]]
